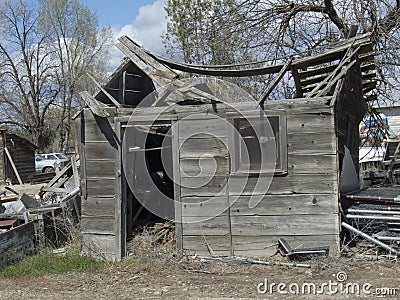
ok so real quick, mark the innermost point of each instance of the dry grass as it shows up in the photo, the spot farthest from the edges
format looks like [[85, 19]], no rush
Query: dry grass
[[154, 244]]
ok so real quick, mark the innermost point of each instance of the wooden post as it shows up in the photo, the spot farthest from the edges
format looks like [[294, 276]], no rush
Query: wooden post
[[13, 165]]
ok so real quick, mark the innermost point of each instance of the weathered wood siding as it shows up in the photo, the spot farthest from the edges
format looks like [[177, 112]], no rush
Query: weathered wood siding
[[98, 148], [23, 155], [300, 206], [17, 243]]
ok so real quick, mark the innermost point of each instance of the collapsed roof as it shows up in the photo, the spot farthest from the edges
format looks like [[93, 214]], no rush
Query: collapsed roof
[[314, 76]]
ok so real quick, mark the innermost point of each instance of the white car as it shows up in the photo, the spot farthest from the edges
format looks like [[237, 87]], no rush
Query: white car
[[46, 163]]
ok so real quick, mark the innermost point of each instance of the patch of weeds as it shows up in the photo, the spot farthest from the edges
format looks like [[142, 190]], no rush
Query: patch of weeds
[[132, 260], [139, 264], [47, 262]]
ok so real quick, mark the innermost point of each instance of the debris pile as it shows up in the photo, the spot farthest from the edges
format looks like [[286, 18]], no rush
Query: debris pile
[[372, 215], [29, 221]]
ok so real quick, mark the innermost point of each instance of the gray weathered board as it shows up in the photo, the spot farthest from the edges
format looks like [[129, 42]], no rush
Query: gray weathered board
[[17, 243], [99, 147], [301, 205]]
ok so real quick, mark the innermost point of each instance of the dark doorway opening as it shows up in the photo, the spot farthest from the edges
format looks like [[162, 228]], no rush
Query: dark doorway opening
[[148, 163]]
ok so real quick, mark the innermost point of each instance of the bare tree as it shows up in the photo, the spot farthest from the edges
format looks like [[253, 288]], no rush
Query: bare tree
[[28, 86], [45, 51], [275, 29], [71, 30]]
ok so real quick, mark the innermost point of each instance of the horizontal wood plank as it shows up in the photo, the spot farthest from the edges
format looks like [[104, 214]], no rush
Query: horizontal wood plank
[[102, 150], [204, 166], [279, 205], [306, 143], [96, 128], [203, 186], [208, 147], [100, 187], [101, 246], [264, 242], [100, 168], [219, 245], [93, 206], [207, 126], [312, 163], [290, 184], [204, 206], [310, 123], [265, 246], [194, 225], [98, 224], [282, 225]]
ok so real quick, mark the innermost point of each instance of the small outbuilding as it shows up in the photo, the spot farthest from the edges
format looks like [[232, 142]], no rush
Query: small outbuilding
[[18, 158], [234, 173]]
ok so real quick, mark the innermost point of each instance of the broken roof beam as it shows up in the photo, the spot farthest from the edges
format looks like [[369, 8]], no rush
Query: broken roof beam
[[213, 71], [275, 81], [349, 57], [142, 66], [157, 71], [333, 82], [186, 92], [231, 70], [161, 69], [115, 102], [335, 53], [94, 105]]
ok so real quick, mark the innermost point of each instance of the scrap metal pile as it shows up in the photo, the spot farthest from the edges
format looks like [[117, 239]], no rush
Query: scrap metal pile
[[372, 215]]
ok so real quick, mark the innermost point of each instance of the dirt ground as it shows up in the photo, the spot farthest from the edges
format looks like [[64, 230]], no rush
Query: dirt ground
[[169, 278], [154, 272]]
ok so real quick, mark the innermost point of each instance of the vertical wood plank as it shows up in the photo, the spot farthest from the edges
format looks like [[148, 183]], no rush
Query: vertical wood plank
[[228, 211], [296, 77], [120, 192], [80, 123], [122, 87], [177, 187]]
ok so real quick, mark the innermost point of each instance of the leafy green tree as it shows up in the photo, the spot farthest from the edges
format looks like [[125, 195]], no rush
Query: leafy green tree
[[195, 32]]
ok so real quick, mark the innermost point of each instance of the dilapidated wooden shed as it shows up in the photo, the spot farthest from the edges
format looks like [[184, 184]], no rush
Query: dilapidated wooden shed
[[220, 200], [18, 153]]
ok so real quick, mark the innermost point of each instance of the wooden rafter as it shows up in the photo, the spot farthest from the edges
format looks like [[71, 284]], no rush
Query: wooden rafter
[[275, 81], [349, 56], [113, 100]]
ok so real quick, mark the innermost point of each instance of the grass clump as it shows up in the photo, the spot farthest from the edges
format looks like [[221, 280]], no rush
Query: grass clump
[[47, 262]]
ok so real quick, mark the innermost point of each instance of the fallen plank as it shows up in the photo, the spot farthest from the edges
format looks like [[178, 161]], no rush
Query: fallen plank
[[8, 223], [236, 260], [108, 95], [6, 199], [13, 165]]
